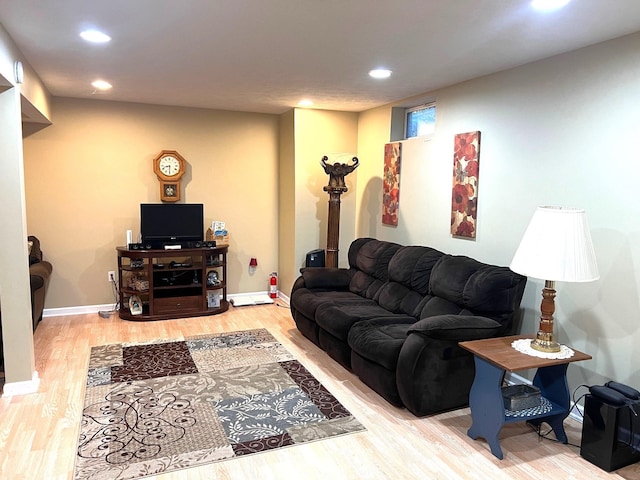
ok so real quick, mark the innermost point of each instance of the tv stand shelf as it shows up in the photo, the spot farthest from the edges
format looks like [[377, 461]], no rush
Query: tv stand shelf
[[188, 282]]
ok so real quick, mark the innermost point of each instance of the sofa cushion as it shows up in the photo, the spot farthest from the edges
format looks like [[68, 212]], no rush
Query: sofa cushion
[[395, 277], [477, 288], [412, 266], [450, 276], [370, 266], [379, 340], [337, 319], [374, 256], [396, 298], [459, 328], [307, 301], [493, 290], [365, 285], [431, 306], [324, 278]]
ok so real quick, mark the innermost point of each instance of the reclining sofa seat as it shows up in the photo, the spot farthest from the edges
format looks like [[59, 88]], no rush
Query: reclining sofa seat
[[39, 274], [395, 318], [329, 301]]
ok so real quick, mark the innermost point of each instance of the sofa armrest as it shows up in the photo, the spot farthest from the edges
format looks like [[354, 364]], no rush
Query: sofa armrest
[[433, 372], [326, 278], [458, 328], [39, 274]]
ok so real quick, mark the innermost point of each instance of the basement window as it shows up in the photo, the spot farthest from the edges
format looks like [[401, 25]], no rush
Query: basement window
[[420, 120]]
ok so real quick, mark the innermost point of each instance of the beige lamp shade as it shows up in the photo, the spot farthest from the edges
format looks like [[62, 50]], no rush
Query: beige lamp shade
[[557, 247]]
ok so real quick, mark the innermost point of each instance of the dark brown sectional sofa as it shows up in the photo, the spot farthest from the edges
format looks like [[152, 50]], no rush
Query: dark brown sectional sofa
[[396, 315]]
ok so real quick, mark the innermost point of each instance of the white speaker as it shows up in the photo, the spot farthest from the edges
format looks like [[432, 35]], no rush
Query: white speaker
[[129, 237]]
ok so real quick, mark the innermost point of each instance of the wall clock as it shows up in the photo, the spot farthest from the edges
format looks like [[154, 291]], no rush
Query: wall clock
[[169, 166]]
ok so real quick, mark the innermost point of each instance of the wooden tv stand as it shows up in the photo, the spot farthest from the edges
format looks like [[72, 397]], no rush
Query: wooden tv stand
[[188, 282]]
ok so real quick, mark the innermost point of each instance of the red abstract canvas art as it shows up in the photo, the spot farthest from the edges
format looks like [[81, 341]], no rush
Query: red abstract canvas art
[[391, 183], [464, 195]]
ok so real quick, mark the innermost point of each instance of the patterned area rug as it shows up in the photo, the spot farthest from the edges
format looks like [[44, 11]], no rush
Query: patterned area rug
[[156, 408]]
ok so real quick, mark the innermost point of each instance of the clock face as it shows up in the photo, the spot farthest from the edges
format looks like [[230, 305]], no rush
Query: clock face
[[169, 165]]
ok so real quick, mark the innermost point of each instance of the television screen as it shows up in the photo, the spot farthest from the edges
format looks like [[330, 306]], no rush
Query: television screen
[[171, 223]]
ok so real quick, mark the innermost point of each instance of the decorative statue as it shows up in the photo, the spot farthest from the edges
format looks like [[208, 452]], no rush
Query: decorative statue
[[336, 187], [337, 172]]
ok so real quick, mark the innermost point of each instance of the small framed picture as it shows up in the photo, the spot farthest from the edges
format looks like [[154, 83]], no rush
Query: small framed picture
[[135, 305], [213, 299]]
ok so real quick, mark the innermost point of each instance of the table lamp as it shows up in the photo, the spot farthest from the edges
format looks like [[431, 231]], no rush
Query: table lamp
[[556, 247]]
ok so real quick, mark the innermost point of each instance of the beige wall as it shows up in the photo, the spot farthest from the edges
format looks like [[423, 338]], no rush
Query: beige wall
[[305, 137], [319, 133], [374, 128], [88, 173], [287, 271], [553, 132]]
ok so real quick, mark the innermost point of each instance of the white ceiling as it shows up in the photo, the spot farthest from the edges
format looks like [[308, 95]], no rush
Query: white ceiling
[[266, 55]]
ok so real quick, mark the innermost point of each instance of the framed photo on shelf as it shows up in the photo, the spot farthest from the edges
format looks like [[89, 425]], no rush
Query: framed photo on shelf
[[213, 299], [135, 305]]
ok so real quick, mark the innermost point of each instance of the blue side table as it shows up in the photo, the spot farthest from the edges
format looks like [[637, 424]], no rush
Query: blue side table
[[495, 356]]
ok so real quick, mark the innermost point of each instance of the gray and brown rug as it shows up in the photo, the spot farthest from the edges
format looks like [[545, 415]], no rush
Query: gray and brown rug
[[155, 408]]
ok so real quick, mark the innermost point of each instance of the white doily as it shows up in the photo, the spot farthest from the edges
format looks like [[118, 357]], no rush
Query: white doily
[[524, 346]]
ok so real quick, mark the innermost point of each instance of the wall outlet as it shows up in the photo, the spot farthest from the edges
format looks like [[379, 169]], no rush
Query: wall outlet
[[111, 276]]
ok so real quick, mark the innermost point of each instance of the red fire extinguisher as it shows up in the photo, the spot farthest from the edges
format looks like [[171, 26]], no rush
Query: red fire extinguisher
[[273, 285]]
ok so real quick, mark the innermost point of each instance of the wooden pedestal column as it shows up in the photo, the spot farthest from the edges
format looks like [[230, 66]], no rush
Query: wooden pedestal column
[[333, 228], [336, 187]]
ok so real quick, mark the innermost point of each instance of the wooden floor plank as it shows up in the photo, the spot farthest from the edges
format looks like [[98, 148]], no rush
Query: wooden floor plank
[[38, 432]]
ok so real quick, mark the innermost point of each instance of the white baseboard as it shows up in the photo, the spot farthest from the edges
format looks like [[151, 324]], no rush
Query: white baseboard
[[56, 312], [80, 310], [281, 298], [22, 388]]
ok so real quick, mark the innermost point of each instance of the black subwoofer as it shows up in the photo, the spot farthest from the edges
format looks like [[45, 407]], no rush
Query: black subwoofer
[[610, 434], [315, 258]]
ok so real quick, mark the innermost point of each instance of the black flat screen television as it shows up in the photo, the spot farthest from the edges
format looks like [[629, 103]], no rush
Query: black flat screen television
[[171, 223]]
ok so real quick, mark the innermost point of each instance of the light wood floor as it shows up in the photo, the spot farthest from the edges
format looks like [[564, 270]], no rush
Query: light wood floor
[[38, 432]]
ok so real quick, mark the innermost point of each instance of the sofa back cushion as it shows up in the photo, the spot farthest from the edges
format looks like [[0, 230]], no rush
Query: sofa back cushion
[[424, 282], [369, 263], [462, 285], [409, 273]]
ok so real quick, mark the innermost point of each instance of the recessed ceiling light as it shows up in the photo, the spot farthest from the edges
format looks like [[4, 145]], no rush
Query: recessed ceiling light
[[546, 5], [95, 36], [305, 103], [101, 85], [380, 73]]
